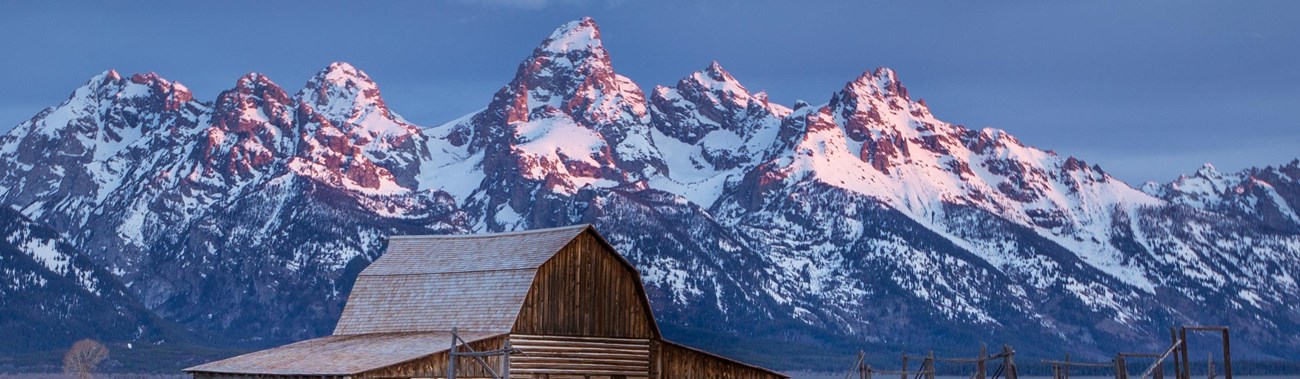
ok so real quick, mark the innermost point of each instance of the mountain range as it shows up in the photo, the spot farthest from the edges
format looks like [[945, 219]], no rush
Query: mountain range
[[786, 235]]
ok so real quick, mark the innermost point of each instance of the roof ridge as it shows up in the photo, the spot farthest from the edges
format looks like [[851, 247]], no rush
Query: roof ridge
[[451, 272], [491, 235]]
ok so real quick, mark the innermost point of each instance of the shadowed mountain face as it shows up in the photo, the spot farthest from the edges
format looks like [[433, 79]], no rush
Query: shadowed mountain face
[[865, 221], [53, 295]]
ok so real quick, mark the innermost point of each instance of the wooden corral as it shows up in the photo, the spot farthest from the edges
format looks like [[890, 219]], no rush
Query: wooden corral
[[553, 303]]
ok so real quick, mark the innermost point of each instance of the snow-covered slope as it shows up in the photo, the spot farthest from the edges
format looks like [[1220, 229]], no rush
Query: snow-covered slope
[[866, 219]]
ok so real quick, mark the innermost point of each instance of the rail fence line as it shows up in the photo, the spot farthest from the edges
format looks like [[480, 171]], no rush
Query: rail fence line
[[1177, 354]]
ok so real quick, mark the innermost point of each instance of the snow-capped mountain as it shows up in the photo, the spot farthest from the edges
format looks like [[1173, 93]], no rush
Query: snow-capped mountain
[[863, 221]]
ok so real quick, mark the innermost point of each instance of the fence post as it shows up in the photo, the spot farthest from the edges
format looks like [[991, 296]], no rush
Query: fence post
[[1006, 361], [981, 365], [451, 357], [1067, 366], [929, 364], [1178, 366], [505, 361], [1182, 345], [1227, 356], [1013, 372], [862, 364], [904, 371], [1121, 369]]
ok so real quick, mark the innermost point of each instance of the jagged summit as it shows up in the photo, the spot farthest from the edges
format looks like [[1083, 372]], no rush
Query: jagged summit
[[717, 80], [574, 36], [568, 111], [569, 65], [340, 71], [709, 100], [882, 82], [107, 80], [344, 77], [107, 76], [344, 95], [253, 92], [111, 81], [1208, 170], [717, 73]]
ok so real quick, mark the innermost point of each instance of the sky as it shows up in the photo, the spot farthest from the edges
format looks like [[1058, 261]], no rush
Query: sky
[[1149, 90]]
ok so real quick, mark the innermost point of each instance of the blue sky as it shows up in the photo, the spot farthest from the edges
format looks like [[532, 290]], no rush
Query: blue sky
[[1149, 90]]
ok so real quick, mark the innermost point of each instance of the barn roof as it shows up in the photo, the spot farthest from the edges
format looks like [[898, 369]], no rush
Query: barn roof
[[434, 283], [339, 355]]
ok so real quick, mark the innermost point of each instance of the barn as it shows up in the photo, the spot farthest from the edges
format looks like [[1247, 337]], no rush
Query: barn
[[548, 303]]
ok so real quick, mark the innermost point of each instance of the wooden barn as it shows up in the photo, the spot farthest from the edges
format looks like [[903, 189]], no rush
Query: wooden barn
[[560, 300]]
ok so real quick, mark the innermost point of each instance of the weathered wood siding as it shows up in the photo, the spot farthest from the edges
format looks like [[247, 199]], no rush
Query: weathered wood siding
[[435, 366], [585, 290], [556, 357], [673, 361]]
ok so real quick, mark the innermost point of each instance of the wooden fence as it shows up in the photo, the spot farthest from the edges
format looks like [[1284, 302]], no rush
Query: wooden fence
[[1005, 360], [1176, 355]]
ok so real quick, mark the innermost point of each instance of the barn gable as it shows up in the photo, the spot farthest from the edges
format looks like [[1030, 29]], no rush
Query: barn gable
[[587, 289]]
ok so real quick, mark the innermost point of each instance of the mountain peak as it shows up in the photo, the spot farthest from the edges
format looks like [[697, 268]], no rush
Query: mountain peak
[[884, 74], [882, 81], [254, 80], [252, 92], [570, 72], [106, 76], [174, 93], [578, 35], [341, 73], [715, 77], [716, 71], [569, 59], [1208, 171], [159, 83], [341, 91], [340, 66], [346, 97], [100, 80]]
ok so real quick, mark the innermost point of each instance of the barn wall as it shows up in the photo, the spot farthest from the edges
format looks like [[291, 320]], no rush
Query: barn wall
[[585, 290], [678, 362], [435, 366], [555, 357]]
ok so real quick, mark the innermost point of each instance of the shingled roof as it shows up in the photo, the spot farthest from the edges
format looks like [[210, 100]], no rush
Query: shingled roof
[[338, 355], [434, 283]]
